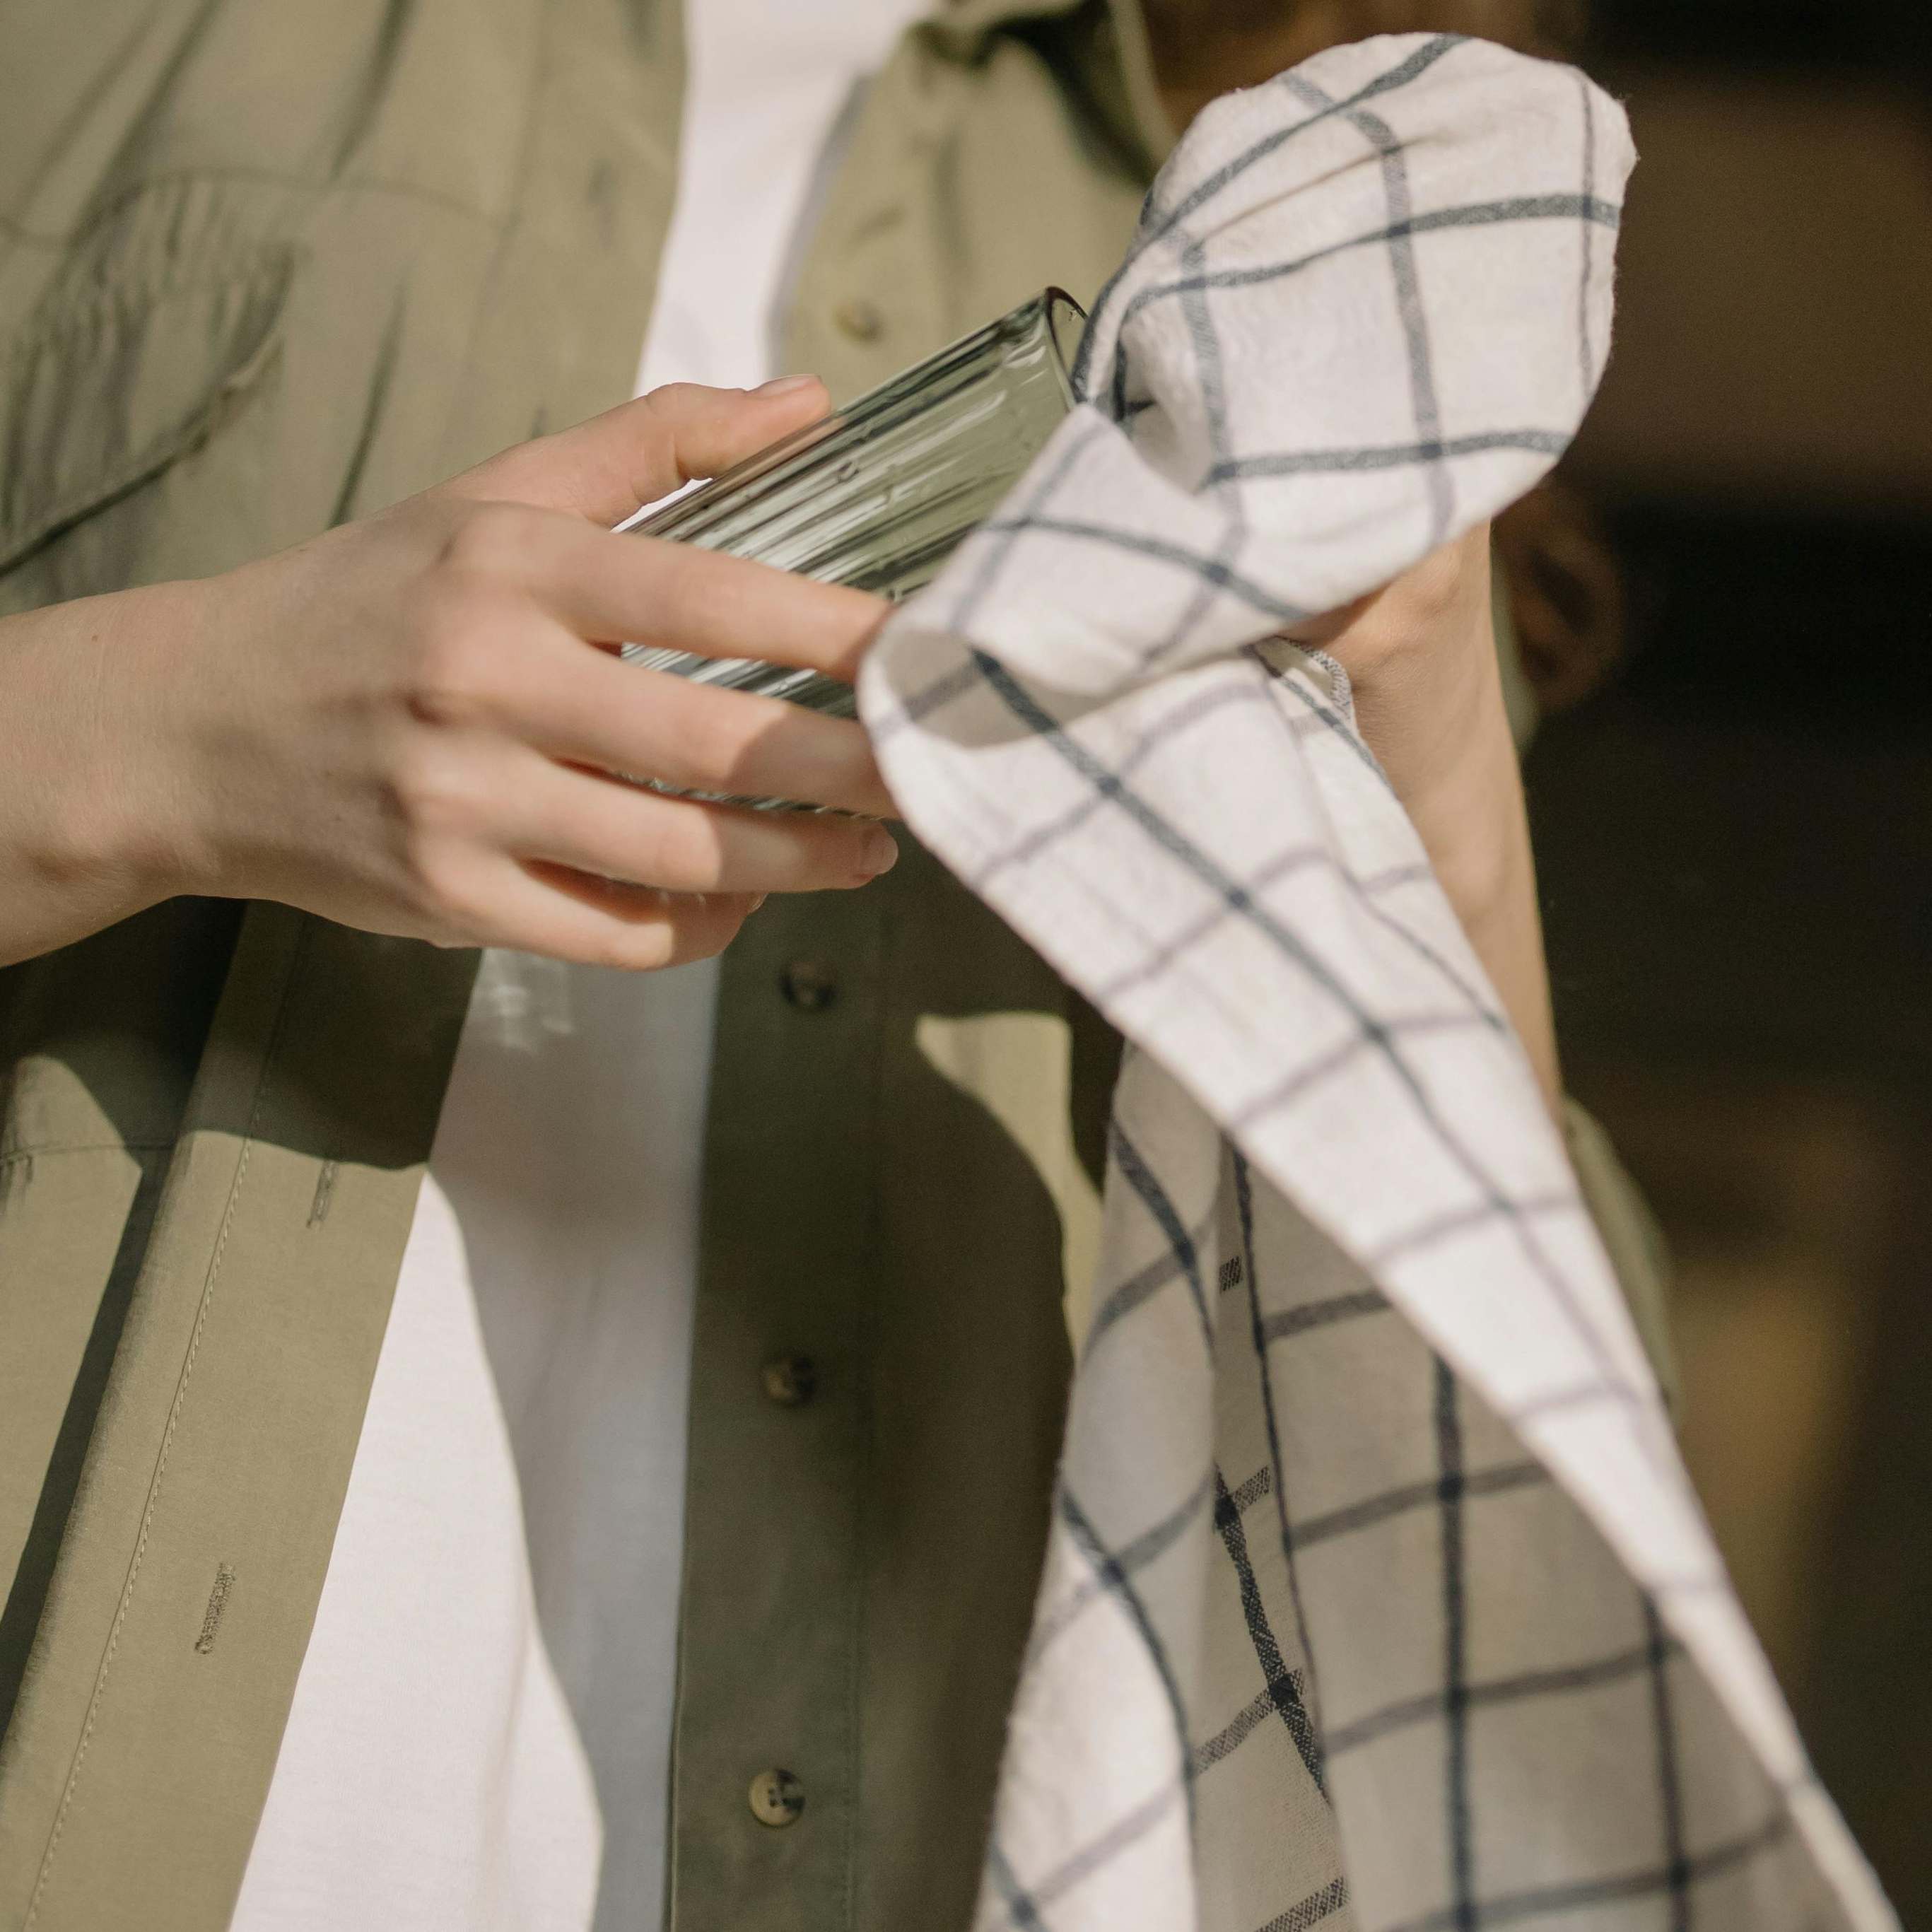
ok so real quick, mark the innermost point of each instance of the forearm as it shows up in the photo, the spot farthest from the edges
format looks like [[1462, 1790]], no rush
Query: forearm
[[1463, 792], [1421, 655], [85, 821]]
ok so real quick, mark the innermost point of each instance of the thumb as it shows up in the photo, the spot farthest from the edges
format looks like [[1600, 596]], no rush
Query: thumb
[[605, 468]]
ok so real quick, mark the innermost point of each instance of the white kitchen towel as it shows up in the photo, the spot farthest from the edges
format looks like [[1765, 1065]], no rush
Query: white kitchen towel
[[1376, 1595]]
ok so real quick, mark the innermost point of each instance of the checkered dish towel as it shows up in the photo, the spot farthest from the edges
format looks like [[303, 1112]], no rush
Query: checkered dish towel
[[1376, 1595]]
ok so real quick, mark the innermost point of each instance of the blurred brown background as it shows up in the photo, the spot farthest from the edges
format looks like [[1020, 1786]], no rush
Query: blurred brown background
[[1736, 837]]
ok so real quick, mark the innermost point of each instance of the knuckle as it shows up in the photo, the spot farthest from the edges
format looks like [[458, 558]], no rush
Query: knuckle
[[715, 748], [454, 658], [694, 851], [678, 398], [493, 541], [435, 801], [434, 884]]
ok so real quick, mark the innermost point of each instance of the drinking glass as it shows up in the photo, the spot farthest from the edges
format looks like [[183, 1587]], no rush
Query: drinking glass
[[879, 494]]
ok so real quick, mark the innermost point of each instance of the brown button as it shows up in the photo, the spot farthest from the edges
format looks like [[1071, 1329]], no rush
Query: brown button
[[791, 1380], [863, 321], [810, 985], [778, 1799]]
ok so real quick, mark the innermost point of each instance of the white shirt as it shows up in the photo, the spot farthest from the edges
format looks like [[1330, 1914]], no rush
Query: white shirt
[[487, 1696]]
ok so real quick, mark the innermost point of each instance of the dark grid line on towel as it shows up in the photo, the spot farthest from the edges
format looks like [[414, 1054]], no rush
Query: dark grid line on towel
[[1373, 1033], [1023, 1903], [1244, 1204], [1145, 1549], [1373, 1510], [1120, 1584], [1658, 1650], [1424, 397], [1252, 1716], [1379, 1034], [1300, 1318], [1377, 1510], [1207, 347], [1459, 1824], [1282, 865], [1021, 1910], [1399, 76], [1369, 1513], [1388, 879], [1615, 1668], [1007, 530], [1160, 550], [1145, 1281], [1282, 1686], [1160, 735], [1089, 1859], [1587, 240], [1446, 1227], [1312, 1909], [1377, 1037], [1584, 208], [1140, 1177], [1550, 1901], [1207, 363], [1432, 451], [1244, 1496]]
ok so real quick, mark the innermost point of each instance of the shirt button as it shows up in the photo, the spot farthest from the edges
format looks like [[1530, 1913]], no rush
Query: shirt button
[[791, 1380], [777, 1799], [862, 320], [810, 985]]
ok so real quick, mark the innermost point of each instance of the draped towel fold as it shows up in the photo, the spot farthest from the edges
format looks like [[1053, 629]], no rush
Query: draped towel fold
[[1376, 1594]]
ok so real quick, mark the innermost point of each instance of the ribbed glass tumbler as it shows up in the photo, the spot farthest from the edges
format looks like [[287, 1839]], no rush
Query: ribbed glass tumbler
[[880, 494]]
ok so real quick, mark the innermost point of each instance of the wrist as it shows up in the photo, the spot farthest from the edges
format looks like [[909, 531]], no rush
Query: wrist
[[84, 813], [132, 817]]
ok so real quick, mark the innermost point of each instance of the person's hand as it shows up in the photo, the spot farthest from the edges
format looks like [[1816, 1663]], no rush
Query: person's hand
[[1421, 655], [415, 724]]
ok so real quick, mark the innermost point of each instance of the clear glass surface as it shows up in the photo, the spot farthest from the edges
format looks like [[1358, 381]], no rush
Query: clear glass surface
[[880, 493]]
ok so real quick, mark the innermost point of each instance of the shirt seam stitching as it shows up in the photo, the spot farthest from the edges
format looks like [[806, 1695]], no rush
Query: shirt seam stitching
[[95, 1702]]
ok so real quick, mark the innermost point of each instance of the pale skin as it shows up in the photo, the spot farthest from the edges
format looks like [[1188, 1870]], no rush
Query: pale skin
[[1421, 655], [412, 724], [409, 724]]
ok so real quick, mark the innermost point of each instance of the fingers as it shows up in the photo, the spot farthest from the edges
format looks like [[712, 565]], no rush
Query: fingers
[[601, 825], [587, 708], [613, 589], [605, 468], [641, 590], [597, 921]]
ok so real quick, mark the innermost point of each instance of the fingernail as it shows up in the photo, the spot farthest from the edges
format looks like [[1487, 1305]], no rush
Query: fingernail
[[785, 386], [756, 903], [881, 852]]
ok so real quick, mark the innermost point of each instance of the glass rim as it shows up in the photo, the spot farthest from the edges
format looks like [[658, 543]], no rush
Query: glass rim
[[1058, 316]]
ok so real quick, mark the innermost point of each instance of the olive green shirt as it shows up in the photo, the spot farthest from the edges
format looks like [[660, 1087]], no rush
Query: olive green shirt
[[263, 268]]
